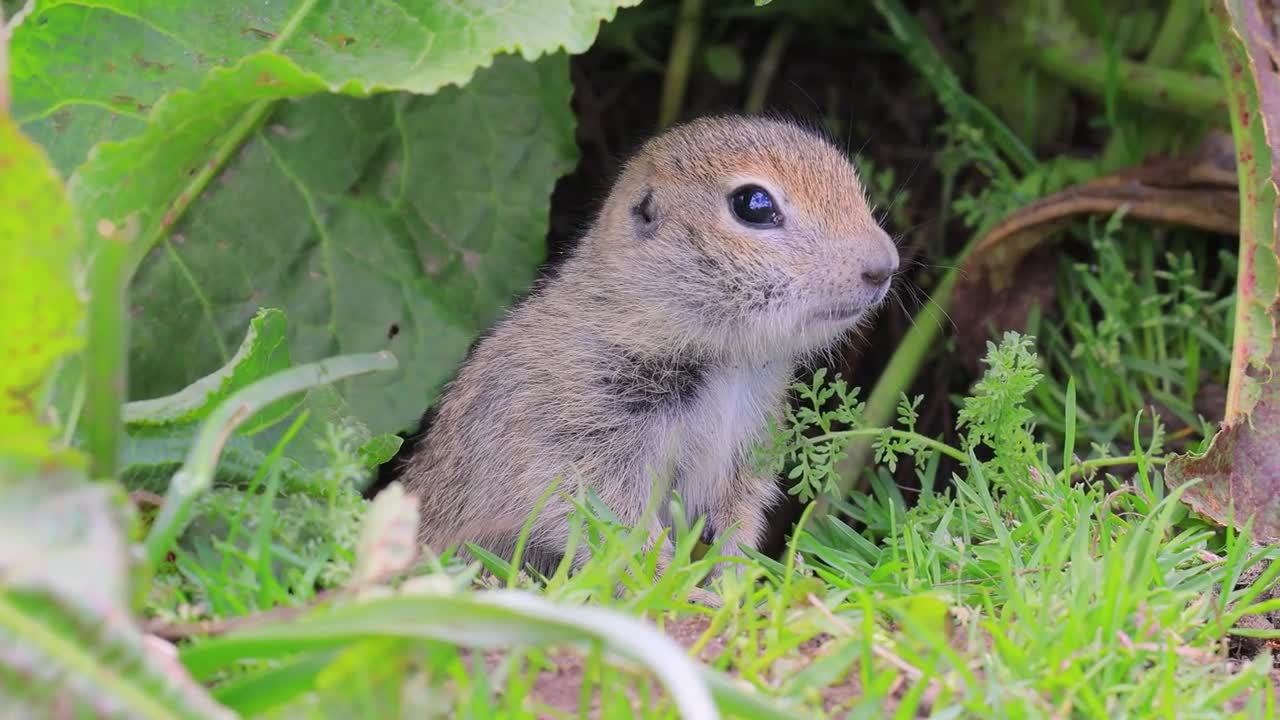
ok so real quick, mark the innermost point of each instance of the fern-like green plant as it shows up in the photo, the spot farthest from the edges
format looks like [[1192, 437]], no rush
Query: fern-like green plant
[[996, 415], [809, 444]]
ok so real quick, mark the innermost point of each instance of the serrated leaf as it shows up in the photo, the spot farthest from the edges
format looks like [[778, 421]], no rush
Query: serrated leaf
[[167, 79], [39, 307], [1241, 468], [262, 352], [149, 459], [160, 432], [413, 238]]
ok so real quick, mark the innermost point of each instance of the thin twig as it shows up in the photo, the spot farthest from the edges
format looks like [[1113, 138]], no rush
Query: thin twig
[[885, 654], [175, 632]]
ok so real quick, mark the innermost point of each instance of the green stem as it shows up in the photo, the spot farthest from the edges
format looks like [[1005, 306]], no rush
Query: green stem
[[873, 432], [106, 358], [231, 142], [1079, 63], [1253, 342], [196, 474], [222, 153], [1175, 30], [683, 44], [1089, 466], [1171, 41], [768, 66]]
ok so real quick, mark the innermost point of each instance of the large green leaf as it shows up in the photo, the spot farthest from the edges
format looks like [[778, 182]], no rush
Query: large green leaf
[[159, 432], [247, 202], [176, 76], [411, 237]]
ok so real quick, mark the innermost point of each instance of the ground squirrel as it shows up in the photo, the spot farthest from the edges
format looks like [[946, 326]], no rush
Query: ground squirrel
[[728, 250]]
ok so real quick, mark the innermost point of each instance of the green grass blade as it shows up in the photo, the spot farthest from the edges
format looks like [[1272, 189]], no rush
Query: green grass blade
[[483, 619], [196, 474]]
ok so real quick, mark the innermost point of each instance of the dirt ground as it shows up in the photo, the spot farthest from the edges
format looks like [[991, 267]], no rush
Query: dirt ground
[[561, 689]]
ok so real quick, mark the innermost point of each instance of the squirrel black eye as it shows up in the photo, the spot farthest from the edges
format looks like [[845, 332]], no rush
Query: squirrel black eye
[[755, 207]]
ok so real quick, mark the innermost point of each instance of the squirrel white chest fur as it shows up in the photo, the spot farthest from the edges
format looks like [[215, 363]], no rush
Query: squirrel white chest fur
[[714, 435], [727, 251]]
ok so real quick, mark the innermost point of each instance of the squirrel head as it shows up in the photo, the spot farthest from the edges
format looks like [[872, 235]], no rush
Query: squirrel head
[[747, 236]]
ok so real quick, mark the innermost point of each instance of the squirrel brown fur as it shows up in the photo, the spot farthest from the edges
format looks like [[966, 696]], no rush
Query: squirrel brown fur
[[728, 251]]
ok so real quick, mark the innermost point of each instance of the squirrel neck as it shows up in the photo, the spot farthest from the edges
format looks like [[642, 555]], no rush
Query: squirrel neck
[[599, 303]]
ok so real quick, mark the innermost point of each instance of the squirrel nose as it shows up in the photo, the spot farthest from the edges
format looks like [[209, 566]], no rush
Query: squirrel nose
[[879, 275]]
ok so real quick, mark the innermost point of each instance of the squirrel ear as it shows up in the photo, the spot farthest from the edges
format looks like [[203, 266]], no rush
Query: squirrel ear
[[644, 213]]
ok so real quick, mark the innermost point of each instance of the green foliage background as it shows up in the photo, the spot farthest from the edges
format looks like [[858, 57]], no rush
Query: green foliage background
[[379, 175], [422, 208]]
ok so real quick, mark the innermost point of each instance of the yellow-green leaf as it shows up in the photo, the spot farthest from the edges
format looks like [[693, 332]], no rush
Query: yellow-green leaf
[[40, 310]]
